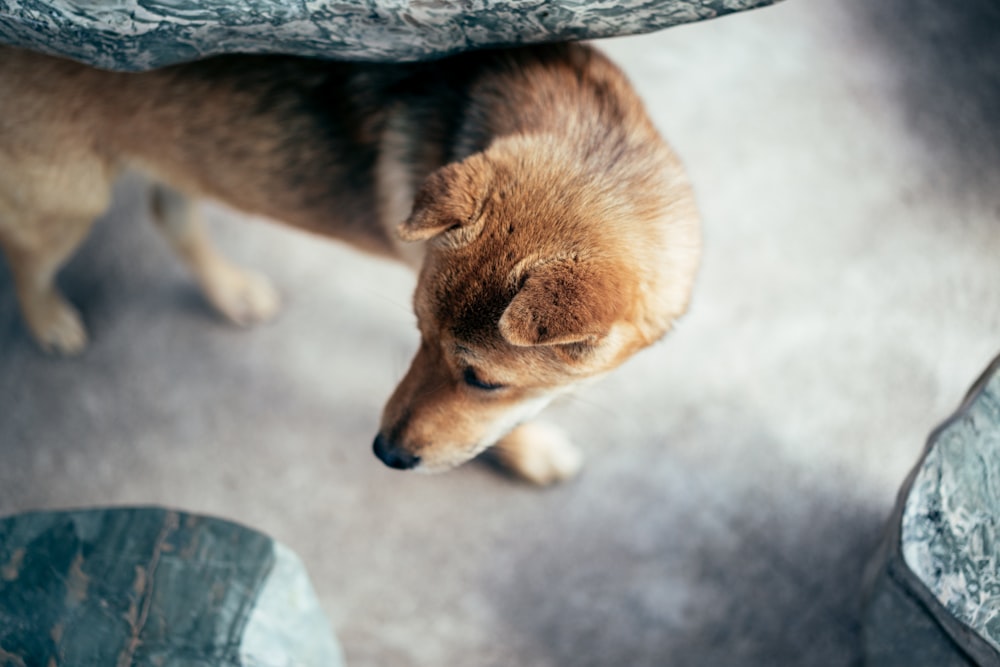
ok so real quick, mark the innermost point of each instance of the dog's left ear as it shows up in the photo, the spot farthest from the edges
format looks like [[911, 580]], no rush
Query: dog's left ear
[[562, 302], [450, 200]]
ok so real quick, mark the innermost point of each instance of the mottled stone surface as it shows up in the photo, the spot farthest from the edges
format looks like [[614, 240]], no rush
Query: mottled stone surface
[[934, 586], [951, 521], [140, 34], [153, 587]]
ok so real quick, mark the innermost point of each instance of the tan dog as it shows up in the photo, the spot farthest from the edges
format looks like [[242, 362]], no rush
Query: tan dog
[[555, 230]]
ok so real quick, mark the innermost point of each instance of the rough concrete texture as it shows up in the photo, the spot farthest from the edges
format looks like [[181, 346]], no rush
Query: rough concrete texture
[[845, 154]]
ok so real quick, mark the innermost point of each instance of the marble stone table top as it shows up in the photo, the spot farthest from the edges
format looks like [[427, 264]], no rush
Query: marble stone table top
[[143, 34], [950, 533], [150, 587], [938, 569]]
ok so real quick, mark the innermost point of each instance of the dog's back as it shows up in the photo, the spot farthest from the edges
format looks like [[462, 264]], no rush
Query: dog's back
[[300, 140]]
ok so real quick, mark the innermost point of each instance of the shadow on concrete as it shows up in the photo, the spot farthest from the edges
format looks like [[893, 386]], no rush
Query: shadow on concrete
[[706, 569], [948, 59], [727, 609]]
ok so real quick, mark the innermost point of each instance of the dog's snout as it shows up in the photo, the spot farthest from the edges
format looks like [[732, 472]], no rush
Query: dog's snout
[[393, 455]]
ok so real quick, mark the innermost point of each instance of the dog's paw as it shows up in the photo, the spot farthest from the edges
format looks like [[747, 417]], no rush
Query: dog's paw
[[242, 296], [538, 453], [57, 326]]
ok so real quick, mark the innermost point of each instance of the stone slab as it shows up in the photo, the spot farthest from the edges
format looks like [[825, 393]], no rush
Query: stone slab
[[143, 34], [951, 521], [154, 587], [936, 571]]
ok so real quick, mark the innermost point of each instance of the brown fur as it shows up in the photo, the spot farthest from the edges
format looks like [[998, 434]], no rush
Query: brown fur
[[555, 231]]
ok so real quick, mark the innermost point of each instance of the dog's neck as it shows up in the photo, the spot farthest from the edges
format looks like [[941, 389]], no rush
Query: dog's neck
[[500, 95]]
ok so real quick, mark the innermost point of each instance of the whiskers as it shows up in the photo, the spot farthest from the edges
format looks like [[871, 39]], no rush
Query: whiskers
[[593, 405]]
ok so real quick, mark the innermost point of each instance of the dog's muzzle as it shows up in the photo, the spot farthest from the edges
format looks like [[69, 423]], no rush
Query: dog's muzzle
[[393, 455]]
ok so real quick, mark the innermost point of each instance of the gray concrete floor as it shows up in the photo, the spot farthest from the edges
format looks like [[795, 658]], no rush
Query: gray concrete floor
[[846, 156]]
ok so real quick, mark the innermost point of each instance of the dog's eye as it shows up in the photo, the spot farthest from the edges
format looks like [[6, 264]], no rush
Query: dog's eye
[[471, 379]]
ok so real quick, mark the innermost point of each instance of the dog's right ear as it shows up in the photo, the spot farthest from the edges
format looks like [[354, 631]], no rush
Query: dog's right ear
[[450, 201], [564, 301]]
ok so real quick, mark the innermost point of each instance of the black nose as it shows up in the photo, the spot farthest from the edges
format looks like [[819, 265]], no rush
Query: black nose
[[393, 455]]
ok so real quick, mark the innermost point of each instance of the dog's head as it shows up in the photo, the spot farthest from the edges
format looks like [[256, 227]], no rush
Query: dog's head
[[536, 276]]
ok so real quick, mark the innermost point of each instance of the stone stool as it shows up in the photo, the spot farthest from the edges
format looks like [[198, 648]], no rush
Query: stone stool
[[136, 35], [151, 587], [933, 589]]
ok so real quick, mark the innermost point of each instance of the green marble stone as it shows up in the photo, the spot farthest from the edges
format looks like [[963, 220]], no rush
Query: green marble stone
[[934, 586], [142, 34], [153, 587]]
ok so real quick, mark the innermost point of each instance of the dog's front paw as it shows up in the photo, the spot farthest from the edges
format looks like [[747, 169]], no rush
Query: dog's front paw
[[244, 297], [56, 326], [538, 453]]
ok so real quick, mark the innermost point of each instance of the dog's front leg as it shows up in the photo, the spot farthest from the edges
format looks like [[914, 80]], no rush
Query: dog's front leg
[[243, 296], [538, 453]]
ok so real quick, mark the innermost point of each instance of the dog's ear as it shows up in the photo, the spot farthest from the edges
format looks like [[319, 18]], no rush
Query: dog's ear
[[561, 302], [450, 200]]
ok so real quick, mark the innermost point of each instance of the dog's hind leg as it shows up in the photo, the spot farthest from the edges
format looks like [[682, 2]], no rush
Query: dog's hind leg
[[47, 206], [244, 297], [36, 248]]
